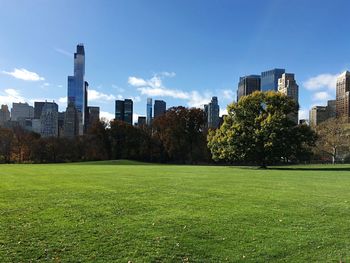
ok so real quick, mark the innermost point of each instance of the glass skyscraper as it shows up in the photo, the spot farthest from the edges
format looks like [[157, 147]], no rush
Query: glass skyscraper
[[247, 85], [149, 111], [77, 86], [124, 110], [269, 79], [159, 108]]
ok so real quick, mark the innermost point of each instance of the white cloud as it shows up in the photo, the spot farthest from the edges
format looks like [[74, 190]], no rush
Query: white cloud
[[228, 94], [64, 52], [168, 74], [321, 81], [154, 88], [137, 82], [135, 117], [223, 112], [24, 74], [321, 96], [106, 115], [94, 95], [119, 89], [11, 95], [303, 114]]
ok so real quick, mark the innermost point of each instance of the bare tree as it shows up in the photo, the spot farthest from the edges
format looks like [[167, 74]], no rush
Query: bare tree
[[333, 137]]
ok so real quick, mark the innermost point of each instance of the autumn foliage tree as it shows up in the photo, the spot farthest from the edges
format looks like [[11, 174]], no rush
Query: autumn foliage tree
[[258, 130], [182, 133]]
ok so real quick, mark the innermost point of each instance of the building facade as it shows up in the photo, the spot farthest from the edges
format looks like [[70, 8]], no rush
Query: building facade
[[93, 116], [38, 107], [159, 108], [269, 79], [141, 121], [288, 86], [343, 95], [77, 87], [212, 111], [22, 111], [149, 111], [317, 115], [49, 120], [124, 110], [71, 121], [4, 114], [247, 85]]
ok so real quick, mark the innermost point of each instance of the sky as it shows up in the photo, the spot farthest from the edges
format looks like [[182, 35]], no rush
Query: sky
[[181, 51]]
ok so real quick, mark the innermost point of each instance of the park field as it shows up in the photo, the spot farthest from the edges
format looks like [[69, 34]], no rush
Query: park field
[[124, 211]]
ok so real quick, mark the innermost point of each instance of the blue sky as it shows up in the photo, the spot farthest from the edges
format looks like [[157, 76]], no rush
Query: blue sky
[[182, 51]]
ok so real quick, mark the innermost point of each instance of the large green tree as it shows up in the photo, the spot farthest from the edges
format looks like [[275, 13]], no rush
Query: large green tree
[[258, 129]]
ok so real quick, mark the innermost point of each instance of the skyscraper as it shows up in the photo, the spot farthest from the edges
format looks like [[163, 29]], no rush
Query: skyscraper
[[4, 114], [49, 120], [128, 111], [77, 88], [38, 107], [141, 121], [124, 110], [71, 121], [159, 108], [212, 111], [269, 79], [319, 114], [22, 111], [247, 85], [343, 95], [149, 111], [288, 86], [93, 116]]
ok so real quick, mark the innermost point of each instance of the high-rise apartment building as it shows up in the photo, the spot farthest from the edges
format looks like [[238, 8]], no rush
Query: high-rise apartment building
[[38, 106], [49, 120], [149, 111], [159, 108], [4, 114], [269, 79], [317, 115], [212, 111], [247, 85], [141, 121], [288, 86], [343, 95], [77, 87], [124, 110], [93, 116], [71, 121], [22, 111], [331, 108]]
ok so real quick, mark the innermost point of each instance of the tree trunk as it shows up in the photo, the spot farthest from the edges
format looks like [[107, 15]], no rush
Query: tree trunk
[[334, 155]]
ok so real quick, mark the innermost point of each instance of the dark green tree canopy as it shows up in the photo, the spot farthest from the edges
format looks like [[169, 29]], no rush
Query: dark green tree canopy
[[258, 129]]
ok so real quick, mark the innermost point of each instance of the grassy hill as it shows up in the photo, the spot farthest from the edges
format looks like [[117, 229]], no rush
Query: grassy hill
[[118, 211]]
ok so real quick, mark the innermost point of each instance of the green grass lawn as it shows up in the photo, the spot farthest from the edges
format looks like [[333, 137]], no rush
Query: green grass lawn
[[119, 211]]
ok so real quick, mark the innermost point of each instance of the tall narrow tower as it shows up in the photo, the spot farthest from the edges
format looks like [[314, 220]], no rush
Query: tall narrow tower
[[76, 86]]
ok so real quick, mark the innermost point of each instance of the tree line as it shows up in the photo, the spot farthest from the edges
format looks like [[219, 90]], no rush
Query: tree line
[[179, 136], [258, 130]]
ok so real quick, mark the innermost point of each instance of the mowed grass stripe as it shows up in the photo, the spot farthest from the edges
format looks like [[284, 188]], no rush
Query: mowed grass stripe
[[120, 211]]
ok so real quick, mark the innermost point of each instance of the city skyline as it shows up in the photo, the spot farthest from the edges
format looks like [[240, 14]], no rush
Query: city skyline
[[189, 75]]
